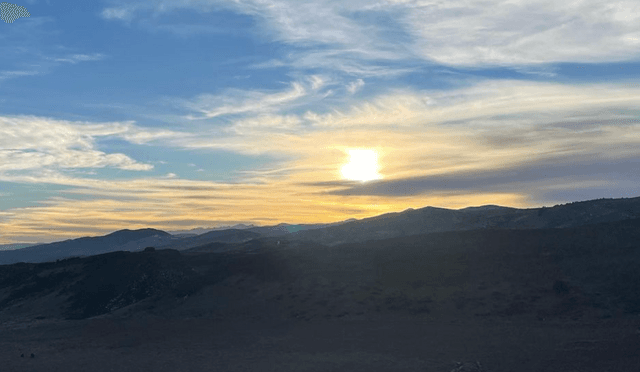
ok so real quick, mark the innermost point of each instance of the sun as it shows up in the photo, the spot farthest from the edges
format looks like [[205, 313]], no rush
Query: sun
[[362, 166]]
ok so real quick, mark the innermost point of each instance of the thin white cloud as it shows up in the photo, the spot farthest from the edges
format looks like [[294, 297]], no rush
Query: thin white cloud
[[67, 158], [121, 13], [317, 82], [352, 61], [265, 123], [141, 136], [235, 101], [500, 32], [32, 143], [16, 73], [458, 32], [354, 86], [272, 63], [407, 108], [348, 43], [75, 58]]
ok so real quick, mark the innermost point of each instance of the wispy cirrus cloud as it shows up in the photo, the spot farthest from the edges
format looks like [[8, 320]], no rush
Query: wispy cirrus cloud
[[36, 143], [235, 101], [265, 123], [459, 33], [123, 13], [354, 86], [17, 73], [76, 58], [473, 33], [33, 48], [404, 107], [329, 35]]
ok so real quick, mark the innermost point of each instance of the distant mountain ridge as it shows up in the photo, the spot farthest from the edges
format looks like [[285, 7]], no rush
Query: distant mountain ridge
[[203, 230], [16, 246], [573, 273], [432, 219], [87, 246], [216, 236], [390, 225]]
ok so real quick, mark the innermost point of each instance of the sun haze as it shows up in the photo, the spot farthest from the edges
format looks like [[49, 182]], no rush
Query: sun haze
[[362, 166]]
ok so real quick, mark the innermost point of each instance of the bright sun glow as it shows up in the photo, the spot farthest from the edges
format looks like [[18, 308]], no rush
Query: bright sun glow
[[362, 166]]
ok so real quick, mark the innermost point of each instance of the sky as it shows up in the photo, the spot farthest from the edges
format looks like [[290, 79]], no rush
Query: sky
[[177, 114]]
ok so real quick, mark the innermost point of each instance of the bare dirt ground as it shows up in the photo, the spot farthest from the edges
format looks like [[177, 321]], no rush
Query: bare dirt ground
[[207, 344]]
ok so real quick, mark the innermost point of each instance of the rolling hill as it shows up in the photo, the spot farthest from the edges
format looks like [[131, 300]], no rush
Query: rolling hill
[[87, 246], [430, 219], [391, 225]]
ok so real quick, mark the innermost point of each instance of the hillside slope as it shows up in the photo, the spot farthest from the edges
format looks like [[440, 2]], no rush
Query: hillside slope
[[430, 219], [589, 271]]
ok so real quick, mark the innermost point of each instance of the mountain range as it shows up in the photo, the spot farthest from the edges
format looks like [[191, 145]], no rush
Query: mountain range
[[430, 219], [389, 225]]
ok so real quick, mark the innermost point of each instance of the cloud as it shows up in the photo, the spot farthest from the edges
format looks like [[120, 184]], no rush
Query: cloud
[[32, 143], [121, 13], [328, 34], [504, 142], [354, 86], [22, 160], [563, 172], [352, 36], [317, 82], [474, 33], [12, 74], [75, 58], [265, 123], [405, 108], [355, 62], [96, 206], [236, 101], [33, 48], [495, 115]]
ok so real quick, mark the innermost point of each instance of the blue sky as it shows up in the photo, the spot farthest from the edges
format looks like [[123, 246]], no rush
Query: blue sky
[[186, 113]]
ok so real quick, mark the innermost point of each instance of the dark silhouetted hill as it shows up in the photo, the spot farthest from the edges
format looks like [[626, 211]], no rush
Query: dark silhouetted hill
[[119, 240], [390, 225], [204, 230], [539, 274], [430, 219], [15, 246], [216, 236], [84, 287]]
